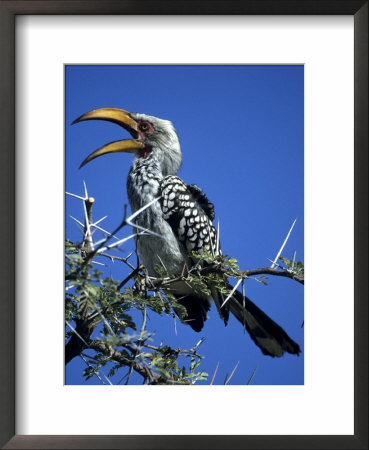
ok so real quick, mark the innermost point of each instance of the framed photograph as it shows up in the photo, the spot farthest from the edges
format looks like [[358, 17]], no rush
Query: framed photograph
[[256, 111], [266, 156]]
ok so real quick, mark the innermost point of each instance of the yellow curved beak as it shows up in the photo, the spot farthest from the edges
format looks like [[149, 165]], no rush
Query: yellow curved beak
[[124, 146], [120, 117]]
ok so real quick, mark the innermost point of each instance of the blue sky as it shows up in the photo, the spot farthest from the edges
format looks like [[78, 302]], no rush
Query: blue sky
[[241, 130]]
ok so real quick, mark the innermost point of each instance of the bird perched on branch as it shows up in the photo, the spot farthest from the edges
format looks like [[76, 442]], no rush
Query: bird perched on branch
[[183, 217]]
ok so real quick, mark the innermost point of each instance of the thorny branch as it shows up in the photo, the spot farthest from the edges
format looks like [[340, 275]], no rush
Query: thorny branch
[[216, 269], [101, 346], [275, 272], [85, 324]]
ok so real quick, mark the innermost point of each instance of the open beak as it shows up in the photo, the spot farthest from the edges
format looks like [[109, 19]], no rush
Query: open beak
[[120, 117]]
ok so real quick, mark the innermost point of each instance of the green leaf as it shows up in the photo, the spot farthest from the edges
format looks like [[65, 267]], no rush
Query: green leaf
[[198, 284]]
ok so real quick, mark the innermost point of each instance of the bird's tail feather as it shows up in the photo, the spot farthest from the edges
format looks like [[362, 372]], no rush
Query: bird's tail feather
[[197, 309], [267, 334]]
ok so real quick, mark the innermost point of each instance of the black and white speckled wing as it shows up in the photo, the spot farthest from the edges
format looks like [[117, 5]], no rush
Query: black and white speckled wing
[[190, 214]]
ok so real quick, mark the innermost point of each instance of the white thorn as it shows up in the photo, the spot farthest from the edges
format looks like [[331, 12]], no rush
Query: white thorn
[[86, 193], [218, 238], [76, 332], [175, 325], [282, 247], [232, 373], [98, 263], [162, 263], [199, 343], [100, 220], [107, 379], [142, 209], [276, 265], [76, 196], [145, 230], [232, 292], [120, 242], [104, 231], [76, 220], [129, 220]]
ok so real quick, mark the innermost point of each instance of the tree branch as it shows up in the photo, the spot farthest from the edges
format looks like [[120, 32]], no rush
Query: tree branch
[[103, 347], [76, 345], [275, 272], [214, 268]]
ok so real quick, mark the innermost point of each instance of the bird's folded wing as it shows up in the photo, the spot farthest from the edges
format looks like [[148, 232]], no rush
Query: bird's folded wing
[[186, 209], [190, 214]]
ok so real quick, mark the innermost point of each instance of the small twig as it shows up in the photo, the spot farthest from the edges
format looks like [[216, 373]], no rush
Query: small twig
[[96, 372], [160, 282], [93, 253], [182, 352], [139, 343], [129, 277], [275, 272], [119, 258], [101, 346], [184, 269], [128, 221], [119, 227]]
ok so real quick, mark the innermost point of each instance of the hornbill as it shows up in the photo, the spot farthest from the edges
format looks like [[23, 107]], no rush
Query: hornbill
[[182, 216]]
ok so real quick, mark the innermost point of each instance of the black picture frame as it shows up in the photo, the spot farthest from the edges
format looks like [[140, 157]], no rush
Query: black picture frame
[[8, 12]]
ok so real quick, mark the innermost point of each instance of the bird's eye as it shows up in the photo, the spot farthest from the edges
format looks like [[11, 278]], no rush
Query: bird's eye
[[144, 126]]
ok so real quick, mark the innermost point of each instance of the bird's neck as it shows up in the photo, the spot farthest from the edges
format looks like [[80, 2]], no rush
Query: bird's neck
[[146, 174], [143, 183]]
